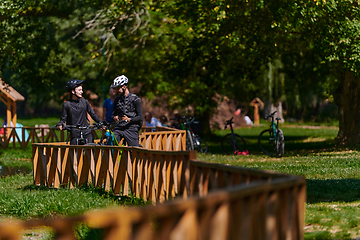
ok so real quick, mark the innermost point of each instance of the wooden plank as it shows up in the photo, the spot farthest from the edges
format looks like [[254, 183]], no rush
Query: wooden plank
[[116, 159], [135, 172], [84, 169], [220, 222], [109, 171], [58, 169], [121, 175], [151, 178], [52, 165], [187, 227], [145, 179], [36, 166], [65, 166], [128, 172], [101, 167]]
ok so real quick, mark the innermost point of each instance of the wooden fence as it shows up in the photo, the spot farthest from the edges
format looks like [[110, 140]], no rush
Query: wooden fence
[[153, 175], [173, 139], [209, 201]]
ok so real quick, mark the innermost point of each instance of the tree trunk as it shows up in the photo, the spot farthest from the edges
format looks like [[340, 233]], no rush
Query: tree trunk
[[270, 108], [349, 109], [205, 124]]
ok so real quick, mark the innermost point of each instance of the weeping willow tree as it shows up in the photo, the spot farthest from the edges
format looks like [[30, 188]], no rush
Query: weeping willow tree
[[273, 79]]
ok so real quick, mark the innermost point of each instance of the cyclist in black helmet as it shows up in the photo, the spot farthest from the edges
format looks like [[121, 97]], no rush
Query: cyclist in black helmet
[[128, 110], [74, 112]]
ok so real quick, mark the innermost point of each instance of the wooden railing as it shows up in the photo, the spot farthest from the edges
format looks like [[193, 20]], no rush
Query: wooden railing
[[210, 201], [259, 210], [153, 175], [35, 135], [163, 138]]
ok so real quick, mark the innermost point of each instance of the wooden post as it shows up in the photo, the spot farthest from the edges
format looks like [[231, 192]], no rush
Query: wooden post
[[14, 117], [8, 117], [256, 103]]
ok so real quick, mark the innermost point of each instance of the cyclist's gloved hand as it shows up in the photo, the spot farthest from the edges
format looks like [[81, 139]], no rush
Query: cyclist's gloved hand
[[104, 123], [59, 126]]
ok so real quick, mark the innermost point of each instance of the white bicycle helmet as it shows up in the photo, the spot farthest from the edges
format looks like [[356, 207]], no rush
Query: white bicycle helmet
[[120, 81]]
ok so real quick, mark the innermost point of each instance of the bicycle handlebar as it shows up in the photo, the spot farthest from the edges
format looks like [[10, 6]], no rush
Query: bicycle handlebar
[[270, 115], [94, 126], [229, 122], [112, 125]]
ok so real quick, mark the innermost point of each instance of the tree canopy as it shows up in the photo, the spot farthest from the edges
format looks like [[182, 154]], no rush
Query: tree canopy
[[188, 52]]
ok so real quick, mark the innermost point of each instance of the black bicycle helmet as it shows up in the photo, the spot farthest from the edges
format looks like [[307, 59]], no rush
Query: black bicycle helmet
[[71, 85]]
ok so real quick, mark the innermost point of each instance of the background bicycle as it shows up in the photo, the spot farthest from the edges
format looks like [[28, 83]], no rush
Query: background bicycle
[[233, 143], [271, 141], [193, 141]]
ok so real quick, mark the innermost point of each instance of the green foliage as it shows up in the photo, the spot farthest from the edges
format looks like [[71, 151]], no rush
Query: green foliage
[[185, 52]]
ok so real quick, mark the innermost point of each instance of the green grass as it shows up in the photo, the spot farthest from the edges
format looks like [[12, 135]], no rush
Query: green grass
[[332, 173], [31, 122]]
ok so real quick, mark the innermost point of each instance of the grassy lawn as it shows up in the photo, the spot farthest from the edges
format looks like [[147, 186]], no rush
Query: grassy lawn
[[332, 173], [31, 122]]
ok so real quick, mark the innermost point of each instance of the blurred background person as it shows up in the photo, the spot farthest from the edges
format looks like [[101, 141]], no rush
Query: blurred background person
[[109, 106]]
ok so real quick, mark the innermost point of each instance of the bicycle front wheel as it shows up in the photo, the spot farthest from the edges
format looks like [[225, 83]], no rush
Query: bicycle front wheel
[[280, 143], [202, 145], [189, 141], [233, 142], [267, 142]]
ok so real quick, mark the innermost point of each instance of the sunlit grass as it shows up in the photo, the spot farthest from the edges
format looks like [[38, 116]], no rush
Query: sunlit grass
[[332, 173]]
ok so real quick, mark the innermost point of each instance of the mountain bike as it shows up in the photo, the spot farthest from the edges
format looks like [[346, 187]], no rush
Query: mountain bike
[[233, 143], [109, 138], [193, 141], [271, 141], [81, 140]]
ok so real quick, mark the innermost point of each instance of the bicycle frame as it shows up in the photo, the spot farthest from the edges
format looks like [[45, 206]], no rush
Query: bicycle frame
[[273, 144], [111, 138], [193, 141], [233, 142], [274, 126]]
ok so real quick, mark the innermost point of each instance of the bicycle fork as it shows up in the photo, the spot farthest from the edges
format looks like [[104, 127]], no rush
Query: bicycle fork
[[233, 142], [195, 139]]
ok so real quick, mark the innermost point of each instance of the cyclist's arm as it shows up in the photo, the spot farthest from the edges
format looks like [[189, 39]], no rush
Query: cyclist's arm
[[92, 113], [138, 111], [63, 117], [115, 112]]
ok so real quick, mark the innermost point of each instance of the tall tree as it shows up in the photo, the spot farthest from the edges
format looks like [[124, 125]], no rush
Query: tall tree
[[334, 28]]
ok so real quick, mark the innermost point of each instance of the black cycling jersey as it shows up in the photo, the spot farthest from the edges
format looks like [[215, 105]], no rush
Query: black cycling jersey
[[130, 106], [74, 112]]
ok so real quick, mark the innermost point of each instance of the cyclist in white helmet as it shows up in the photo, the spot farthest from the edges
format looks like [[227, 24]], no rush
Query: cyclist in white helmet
[[128, 110]]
